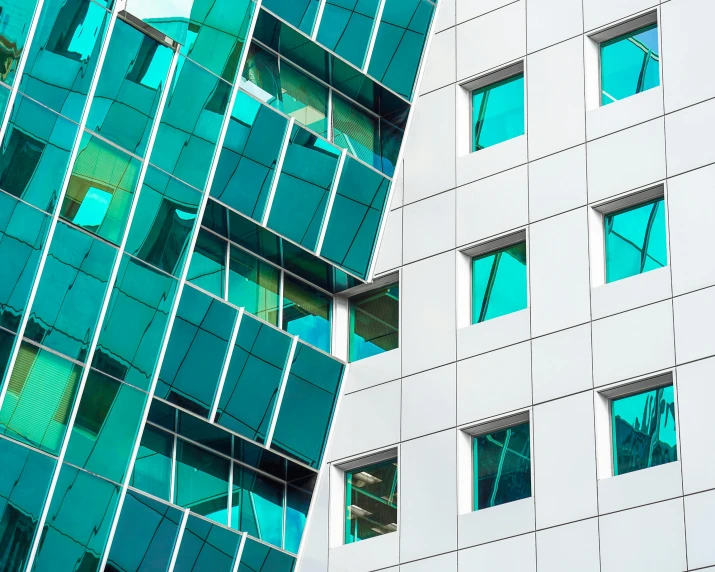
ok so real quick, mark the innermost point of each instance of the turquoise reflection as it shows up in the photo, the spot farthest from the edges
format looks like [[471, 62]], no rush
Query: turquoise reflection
[[499, 283], [498, 112]]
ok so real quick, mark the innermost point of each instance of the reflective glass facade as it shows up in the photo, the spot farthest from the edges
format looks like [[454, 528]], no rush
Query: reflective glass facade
[[498, 112], [371, 501], [499, 283]]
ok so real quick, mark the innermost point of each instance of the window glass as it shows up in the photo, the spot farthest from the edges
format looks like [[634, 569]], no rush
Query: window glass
[[257, 505], [15, 20], [502, 466], [7, 342], [299, 13], [346, 26], [643, 430], [253, 285], [208, 263], [297, 505], [202, 481], [152, 469], [635, 240], [357, 131], [307, 312], [629, 64], [258, 557], [499, 283], [206, 547], [374, 322], [498, 112], [371, 501]]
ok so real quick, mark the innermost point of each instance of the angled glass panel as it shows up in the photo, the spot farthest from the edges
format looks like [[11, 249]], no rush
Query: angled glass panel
[[499, 283], [307, 312], [101, 189], [257, 505], [354, 223], [635, 240], [254, 375], [170, 17], [63, 55], [246, 166], [202, 481], [498, 112], [16, 20], [152, 469], [357, 131], [346, 26], [258, 557], [297, 506], [643, 430], [299, 13], [253, 285], [7, 342], [304, 185], [374, 322], [130, 85], [206, 547], [69, 297], [308, 404], [196, 351], [371, 501], [208, 263], [502, 466], [204, 433]]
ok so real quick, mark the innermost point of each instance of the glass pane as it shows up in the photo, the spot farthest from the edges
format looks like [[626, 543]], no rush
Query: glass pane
[[499, 283], [502, 466], [374, 322], [643, 430], [170, 17], [297, 505], [635, 240], [371, 501], [16, 21], [202, 481], [357, 131], [257, 557], [208, 263], [498, 112], [257, 505], [204, 433], [629, 64], [253, 285], [346, 26], [70, 294], [206, 547], [152, 469], [307, 313], [299, 13], [7, 342]]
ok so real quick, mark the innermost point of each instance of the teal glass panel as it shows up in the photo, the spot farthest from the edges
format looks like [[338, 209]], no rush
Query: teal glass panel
[[374, 322], [170, 17], [357, 131], [346, 26], [70, 294], [7, 342], [163, 222], [257, 505], [398, 47], [190, 124], [286, 88], [308, 404], [499, 283], [105, 430], [196, 351], [206, 547], [307, 312], [24, 480], [202, 432], [254, 375], [257, 557], [250, 151], [64, 53], [208, 263], [297, 506], [635, 240], [304, 185], [134, 325], [371, 501], [16, 18], [101, 189], [78, 522], [502, 466], [130, 85], [630, 64], [145, 537], [253, 285], [643, 430], [22, 235], [202, 481], [498, 112], [35, 153], [299, 13], [152, 469], [354, 223]]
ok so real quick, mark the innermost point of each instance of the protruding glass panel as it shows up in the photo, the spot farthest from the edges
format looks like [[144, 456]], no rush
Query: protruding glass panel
[[502, 466], [202, 481], [78, 522], [299, 13], [145, 537], [284, 87], [308, 404], [135, 323], [253, 380], [630, 64], [398, 47], [297, 506], [498, 112], [35, 153], [247, 163], [69, 297], [190, 124], [253, 284], [163, 222], [208, 263], [130, 85], [258, 557], [307, 312], [63, 55], [7, 341], [196, 351], [24, 480], [354, 223], [346, 26], [257, 505], [374, 322], [371, 501], [16, 19], [303, 188], [22, 235], [206, 547], [643, 430], [152, 469], [171, 17], [105, 430], [499, 283], [635, 240], [101, 189]]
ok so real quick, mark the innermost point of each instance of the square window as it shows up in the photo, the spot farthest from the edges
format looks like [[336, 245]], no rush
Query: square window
[[307, 312], [499, 284], [374, 322], [371, 501], [498, 112]]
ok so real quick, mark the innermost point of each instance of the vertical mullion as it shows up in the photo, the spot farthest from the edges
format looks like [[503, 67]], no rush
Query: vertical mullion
[[179, 538], [279, 168], [239, 553], [227, 362], [373, 35], [331, 200], [229, 500], [318, 19], [281, 393], [172, 477]]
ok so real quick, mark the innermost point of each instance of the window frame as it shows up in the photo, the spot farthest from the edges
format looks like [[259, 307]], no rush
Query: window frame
[[383, 283]]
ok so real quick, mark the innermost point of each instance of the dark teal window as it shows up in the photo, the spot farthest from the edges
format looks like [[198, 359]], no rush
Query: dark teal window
[[499, 283], [206, 547], [202, 481], [371, 501], [635, 240], [346, 26], [153, 467], [374, 322], [259, 557], [629, 64], [498, 112], [299, 13], [253, 284], [643, 430], [307, 312], [257, 505]]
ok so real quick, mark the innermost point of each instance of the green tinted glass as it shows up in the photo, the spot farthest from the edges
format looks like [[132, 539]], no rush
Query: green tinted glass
[[357, 131], [374, 322], [307, 312], [17, 18], [253, 285], [258, 557], [498, 112], [299, 13], [346, 26], [208, 263], [257, 505], [371, 501], [499, 283], [206, 547], [152, 469], [202, 481]]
